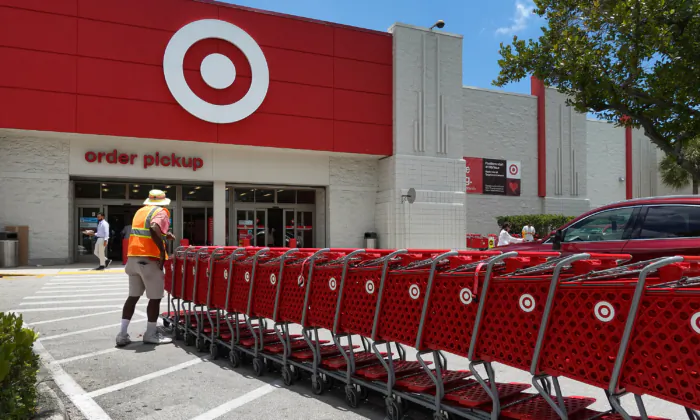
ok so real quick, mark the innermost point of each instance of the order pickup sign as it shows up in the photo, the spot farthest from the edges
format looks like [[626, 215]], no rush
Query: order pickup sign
[[168, 160]]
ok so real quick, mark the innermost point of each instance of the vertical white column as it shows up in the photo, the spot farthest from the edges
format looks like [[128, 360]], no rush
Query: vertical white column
[[219, 213]]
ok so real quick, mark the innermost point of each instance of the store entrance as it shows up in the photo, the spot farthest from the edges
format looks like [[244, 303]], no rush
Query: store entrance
[[119, 218]]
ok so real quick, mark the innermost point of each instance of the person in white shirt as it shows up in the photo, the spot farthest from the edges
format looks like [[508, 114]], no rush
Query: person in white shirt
[[102, 240], [504, 237], [528, 233]]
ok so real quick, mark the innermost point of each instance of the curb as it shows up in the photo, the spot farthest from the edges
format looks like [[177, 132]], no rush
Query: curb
[[50, 406]]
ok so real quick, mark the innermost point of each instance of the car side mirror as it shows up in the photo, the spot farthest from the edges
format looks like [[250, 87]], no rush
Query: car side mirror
[[556, 242]]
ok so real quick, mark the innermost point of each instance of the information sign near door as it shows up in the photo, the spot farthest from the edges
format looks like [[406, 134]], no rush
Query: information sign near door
[[493, 176]]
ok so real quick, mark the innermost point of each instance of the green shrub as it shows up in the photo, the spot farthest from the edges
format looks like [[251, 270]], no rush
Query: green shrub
[[543, 223], [18, 368]]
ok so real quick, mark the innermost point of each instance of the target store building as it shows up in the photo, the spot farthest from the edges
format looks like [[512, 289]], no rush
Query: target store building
[[259, 124]]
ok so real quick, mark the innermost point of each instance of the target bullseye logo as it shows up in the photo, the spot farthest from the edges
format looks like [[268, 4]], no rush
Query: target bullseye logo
[[604, 311], [182, 269], [206, 273], [217, 71], [300, 281], [527, 302], [513, 169], [369, 287], [332, 284], [465, 296], [194, 271], [414, 291], [273, 279], [695, 322], [225, 274], [247, 276]]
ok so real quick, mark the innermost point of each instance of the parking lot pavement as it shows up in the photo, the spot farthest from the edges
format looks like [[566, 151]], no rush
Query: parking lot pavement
[[78, 315]]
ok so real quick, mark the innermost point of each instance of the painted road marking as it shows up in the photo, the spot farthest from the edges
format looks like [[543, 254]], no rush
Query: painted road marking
[[74, 295], [56, 302], [144, 378], [68, 318], [71, 308], [238, 402], [81, 283], [102, 327], [78, 289], [70, 387], [85, 356]]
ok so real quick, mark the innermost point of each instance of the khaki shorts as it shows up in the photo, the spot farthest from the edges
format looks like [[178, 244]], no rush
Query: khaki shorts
[[145, 276]]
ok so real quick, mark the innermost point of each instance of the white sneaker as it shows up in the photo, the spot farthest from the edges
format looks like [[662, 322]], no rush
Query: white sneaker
[[156, 338], [123, 340]]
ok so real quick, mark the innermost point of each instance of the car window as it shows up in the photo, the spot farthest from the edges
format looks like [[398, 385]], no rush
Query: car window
[[671, 222], [607, 225]]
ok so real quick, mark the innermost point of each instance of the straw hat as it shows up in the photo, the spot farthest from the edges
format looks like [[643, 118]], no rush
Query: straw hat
[[157, 198]]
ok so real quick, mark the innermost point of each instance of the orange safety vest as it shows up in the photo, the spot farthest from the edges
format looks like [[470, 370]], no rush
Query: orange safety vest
[[140, 242]]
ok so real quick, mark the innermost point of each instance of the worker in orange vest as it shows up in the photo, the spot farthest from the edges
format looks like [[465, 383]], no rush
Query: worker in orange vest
[[146, 256]]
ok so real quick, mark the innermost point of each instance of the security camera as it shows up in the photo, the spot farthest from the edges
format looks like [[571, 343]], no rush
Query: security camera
[[439, 24]]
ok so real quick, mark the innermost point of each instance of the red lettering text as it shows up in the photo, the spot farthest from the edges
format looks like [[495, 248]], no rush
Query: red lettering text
[[147, 161], [90, 156], [197, 163]]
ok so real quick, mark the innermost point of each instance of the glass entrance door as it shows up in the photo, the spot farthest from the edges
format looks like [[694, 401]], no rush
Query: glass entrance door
[[299, 225], [87, 220]]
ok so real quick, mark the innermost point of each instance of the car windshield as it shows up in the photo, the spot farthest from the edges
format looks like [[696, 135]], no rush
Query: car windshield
[[608, 225]]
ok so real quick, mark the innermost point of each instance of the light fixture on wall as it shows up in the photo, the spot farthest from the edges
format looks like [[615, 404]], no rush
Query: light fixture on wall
[[621, 179], [439, 24]]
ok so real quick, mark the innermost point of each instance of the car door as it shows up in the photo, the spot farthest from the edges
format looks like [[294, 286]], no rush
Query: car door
[[605, 232], [665, 230]]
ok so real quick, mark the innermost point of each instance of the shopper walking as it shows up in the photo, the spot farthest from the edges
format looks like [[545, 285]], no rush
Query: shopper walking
[[146, 256], [101, 241]]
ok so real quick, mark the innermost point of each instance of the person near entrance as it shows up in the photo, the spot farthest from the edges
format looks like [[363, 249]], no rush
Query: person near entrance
[[528, 233], [101, 241], [146, 256]]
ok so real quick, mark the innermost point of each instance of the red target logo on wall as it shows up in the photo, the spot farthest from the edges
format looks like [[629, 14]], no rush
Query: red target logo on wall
[[513, 170], [695, 322]]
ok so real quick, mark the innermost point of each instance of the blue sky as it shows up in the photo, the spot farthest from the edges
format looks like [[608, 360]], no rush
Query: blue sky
[[484, 24]]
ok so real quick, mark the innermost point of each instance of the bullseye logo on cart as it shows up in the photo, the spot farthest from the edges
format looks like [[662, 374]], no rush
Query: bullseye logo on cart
[[148, 160]]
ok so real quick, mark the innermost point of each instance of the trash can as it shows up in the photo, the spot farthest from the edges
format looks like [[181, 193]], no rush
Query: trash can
[[9, 250], [371, 241]]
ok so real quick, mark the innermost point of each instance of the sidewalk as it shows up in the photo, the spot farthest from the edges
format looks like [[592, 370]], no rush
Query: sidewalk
[[78, 268]]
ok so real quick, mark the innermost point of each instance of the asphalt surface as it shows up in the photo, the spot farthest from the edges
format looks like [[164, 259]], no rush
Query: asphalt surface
[[78, 315]]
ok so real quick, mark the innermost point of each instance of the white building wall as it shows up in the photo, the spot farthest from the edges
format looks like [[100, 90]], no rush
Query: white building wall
[[500, 125], [428, 138], [606, 162], [35, 191]]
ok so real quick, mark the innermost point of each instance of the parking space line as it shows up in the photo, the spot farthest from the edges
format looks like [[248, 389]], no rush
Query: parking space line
[[86, 276], [73, 295], [70, 308], [101, 327], [144, 378], [85, 356], [70, 387], [68, 318], [77, 283], [49, 289], [237, 402], [56, 302]]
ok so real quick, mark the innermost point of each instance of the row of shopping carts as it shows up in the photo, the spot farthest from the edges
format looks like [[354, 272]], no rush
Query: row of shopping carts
[[624, 328]]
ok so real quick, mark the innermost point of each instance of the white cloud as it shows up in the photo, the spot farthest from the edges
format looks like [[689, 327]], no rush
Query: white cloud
[[523, 15]]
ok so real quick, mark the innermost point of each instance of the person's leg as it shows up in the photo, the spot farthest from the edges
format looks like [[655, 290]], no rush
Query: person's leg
[[154, 279], [96, 251], [136, 289], [100, 251]]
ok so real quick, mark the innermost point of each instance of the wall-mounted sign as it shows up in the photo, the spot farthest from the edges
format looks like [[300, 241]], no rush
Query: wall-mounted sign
[[493, 176], [168, 160]]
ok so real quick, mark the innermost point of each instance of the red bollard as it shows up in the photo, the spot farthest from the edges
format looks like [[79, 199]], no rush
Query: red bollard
[[292, 243], [246, 243], [184, 242]]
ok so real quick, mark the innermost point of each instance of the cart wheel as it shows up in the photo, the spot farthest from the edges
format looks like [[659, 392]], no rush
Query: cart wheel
[[287, 376], [317, 385], [166, 323], [393, 409], [214, 351], [178, 332], [352, 396], [298, 374], [200, 344], [258, 366], [328, 382], [234, 358], [439, 416], [364, 393], [189, 339]]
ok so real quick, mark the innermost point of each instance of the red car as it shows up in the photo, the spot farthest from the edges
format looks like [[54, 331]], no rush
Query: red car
[[646, 228]]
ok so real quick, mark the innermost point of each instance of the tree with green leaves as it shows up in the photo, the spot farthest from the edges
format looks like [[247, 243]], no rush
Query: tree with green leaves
[[632, 62], [676, 177]]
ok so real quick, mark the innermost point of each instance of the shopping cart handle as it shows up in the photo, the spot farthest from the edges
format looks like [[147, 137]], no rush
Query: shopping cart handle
[[691, 258], [535, 254], [595, 256]]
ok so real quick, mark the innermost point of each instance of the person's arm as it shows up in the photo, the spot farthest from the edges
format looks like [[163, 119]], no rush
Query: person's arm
[[106, 232], [157, 237]]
